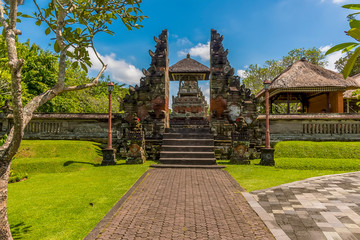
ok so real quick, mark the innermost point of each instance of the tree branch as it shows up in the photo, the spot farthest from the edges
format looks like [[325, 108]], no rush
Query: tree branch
[[43, 18], [93, 83]]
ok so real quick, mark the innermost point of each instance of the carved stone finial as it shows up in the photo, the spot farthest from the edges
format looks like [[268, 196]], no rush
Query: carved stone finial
[[151, 53]]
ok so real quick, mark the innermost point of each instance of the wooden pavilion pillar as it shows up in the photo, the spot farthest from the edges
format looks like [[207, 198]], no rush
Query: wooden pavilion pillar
[[328, 102], [288, 103]]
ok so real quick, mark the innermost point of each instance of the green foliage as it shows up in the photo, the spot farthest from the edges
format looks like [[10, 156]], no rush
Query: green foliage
[[2, 140], [337, 164], [318, 155], [17, 176], [256, 75], [39, 73], [307, 149], [64, 178], [92, 100], [341, 62], [87, 19], [354, 32]]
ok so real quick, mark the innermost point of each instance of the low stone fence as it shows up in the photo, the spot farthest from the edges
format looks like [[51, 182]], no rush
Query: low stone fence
[[90, 127], [86, 127], [313, 127]]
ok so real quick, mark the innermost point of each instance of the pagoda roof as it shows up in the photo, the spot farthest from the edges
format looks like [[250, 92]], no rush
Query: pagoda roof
[[190, 67], [303, 76]]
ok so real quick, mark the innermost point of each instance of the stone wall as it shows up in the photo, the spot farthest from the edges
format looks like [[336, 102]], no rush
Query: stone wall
[[313, 127], [88, 127]]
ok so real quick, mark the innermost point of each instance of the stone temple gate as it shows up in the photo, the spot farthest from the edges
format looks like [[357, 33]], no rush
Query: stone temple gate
[[228, 128]]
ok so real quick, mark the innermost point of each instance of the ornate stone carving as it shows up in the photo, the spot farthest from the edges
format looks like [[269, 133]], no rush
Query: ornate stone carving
[[233, 107], [149, 101]]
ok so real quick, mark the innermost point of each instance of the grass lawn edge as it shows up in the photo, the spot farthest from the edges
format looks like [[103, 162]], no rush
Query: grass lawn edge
[[113, 211]]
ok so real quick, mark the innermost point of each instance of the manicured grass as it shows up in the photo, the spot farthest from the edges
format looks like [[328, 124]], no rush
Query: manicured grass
[[67, 192], [319, 164], [341, 156], [255, 177], [298, 160], [307, 149]]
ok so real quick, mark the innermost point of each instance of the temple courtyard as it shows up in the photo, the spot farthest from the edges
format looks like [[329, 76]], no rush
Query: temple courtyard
[[207, 203]]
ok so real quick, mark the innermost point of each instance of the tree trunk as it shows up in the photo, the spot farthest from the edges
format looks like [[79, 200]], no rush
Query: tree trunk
[[4, 178]]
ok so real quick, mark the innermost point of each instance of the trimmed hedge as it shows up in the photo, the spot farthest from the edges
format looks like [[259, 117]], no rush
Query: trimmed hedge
[[318, 164], [328, 150]]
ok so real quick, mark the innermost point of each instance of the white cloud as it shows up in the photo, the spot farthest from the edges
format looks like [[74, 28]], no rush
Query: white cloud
[[335, 1], [206, 93], [338, 1], [118, 69], [332, 58], [241, 73], [183, 41], [200, 50]]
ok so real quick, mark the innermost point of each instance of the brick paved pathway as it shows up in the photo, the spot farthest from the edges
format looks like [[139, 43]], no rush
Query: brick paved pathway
[[325, 207], [183, 204]]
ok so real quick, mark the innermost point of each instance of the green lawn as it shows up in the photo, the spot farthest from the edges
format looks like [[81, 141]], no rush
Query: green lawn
[[67, 192], [298, 160], [255, 177]]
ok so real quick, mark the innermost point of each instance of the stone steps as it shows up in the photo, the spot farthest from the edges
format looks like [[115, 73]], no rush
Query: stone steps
[[188, 136], [188, 146], [186, 155], [204, 161], [188, 142], [176, 148], [188, 130]]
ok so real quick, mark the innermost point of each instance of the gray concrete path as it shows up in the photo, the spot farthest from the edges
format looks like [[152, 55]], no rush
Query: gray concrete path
[[183, 204], [326, 207]]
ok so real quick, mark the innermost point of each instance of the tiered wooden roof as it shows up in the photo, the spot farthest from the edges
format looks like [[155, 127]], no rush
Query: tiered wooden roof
[[189, 67]]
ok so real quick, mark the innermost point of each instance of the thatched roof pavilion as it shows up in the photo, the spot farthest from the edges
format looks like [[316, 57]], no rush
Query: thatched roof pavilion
[[316, 88], [351, 98], [349, 94], [190, 68]]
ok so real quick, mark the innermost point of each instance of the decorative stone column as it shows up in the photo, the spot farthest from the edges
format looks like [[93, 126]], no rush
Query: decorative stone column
[[240, 152], [135, 145]]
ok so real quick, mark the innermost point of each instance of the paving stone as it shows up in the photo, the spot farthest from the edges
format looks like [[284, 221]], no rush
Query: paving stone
[[325, 207], [184, 203]]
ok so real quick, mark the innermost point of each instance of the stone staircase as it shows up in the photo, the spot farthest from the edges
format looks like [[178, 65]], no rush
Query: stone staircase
[[188, 146]]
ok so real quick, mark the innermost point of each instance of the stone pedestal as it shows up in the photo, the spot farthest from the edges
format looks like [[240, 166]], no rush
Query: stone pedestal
[[108, 157], [240, 153], [136, 152], [267, 157]]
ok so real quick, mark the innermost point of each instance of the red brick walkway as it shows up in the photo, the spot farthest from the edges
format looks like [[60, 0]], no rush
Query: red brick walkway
[[182, 204]]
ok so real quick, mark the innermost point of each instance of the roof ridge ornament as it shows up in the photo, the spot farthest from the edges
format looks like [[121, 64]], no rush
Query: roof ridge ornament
[[188, 55]]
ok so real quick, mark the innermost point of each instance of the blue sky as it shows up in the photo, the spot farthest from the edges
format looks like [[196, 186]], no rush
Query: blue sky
[[254, 31]]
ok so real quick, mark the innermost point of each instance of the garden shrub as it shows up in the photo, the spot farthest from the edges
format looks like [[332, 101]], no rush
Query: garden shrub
[[307, 149]]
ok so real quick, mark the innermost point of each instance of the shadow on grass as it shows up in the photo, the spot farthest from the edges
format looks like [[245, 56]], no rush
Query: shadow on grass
[[238, 164], [68, 163], [19, 230]]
